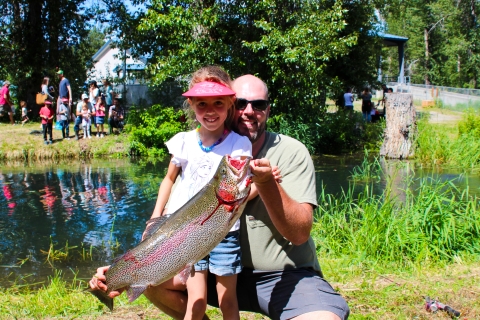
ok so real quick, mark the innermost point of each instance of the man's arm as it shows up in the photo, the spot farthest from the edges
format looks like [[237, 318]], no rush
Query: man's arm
[[69, 95], [292, 219]]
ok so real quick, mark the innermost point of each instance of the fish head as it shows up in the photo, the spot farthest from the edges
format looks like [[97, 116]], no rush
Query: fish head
[[233, 179]]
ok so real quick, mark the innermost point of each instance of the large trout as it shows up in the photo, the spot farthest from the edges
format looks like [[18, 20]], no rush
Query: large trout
[[174, 244]]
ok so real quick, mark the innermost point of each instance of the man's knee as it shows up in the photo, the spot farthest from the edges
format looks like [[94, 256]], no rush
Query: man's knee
[[318, 315]]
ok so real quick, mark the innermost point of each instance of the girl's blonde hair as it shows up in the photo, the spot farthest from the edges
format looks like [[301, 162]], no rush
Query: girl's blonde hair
[[212, 74], [84, 106]]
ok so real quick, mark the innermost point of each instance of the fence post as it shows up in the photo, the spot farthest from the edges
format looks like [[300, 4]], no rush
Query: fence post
[[400, 126]]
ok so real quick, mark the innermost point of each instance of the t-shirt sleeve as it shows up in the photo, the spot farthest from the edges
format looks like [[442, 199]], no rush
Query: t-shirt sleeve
[[176, 147], [242, 148]]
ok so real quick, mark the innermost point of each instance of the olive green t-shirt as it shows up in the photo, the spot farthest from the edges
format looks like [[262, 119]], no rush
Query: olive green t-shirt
[[263, 247]]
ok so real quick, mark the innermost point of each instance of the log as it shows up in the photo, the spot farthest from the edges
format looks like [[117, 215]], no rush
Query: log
[[400, 128]]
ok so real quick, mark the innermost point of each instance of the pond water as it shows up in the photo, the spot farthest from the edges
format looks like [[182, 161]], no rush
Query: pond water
[[77, 216]]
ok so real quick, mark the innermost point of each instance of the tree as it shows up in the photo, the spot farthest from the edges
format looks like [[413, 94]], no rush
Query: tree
[[40, 36], [289, 44]]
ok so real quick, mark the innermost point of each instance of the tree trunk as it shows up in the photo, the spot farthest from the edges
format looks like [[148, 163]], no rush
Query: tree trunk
[[425, 36], [400, 126]]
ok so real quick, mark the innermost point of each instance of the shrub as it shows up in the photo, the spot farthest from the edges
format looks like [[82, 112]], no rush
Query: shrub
[[150, 128]]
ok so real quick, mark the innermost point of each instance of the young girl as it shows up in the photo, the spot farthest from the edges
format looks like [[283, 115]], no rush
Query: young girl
[[100, 117], [23, 105], [195, 156], [47, 113], [86, 121]]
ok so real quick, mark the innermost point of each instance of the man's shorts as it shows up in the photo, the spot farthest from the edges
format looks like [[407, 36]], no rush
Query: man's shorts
[[283, 294], [6, 108], [225, 259]]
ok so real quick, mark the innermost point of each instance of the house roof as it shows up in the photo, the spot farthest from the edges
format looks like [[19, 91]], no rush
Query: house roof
[[106, 46]]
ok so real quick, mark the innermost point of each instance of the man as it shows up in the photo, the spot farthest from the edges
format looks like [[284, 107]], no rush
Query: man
[[5, 101], [281, 277], [64, 89], [78, 120], [116, 116]]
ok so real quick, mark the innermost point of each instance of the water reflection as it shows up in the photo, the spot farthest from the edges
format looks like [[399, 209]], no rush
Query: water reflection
[[101, 207]]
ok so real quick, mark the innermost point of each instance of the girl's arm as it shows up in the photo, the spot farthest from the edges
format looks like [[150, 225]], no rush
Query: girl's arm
[[165, 189]]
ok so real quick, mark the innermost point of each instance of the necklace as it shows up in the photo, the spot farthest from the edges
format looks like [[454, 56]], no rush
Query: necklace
[[208, 149]]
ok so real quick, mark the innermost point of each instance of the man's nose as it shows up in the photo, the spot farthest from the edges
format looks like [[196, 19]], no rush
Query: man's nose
[[248, 109]]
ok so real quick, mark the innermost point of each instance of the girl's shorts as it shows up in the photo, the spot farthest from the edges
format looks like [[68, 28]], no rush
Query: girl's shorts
[[24, 118], [100, 120], [225, 259]]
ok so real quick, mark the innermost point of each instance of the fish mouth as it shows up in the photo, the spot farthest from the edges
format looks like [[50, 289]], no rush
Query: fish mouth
[[239, 167]]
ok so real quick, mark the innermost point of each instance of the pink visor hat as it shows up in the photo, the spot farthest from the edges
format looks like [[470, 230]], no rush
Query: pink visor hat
[[64, 99], [208, 89], [48, 102]]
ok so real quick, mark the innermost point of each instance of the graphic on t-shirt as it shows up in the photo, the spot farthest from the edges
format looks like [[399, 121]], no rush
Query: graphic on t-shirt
[[199, 173]]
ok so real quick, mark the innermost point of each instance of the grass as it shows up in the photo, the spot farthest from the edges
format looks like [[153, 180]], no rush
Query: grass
[[18, 144]]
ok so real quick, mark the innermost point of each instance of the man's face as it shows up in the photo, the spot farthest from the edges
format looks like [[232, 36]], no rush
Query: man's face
[[250, 122], [116, 102]]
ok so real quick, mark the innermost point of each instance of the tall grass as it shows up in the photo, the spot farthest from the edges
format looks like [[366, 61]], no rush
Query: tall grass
[[448, 146], [434, 222]]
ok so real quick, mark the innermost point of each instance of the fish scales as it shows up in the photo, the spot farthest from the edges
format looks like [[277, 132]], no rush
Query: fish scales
[[187, 236]]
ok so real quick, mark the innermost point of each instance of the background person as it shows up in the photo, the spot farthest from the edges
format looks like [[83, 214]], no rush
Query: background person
[[78, 113], [44, 87], [348, 98], [63, 112], [116, 114], [100, 117], [64, 89], [5, 101], [108, 90], [25, 118], [47, 113], [366, 97]]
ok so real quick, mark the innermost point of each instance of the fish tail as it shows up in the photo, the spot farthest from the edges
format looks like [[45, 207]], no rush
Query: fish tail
[[103, 297]]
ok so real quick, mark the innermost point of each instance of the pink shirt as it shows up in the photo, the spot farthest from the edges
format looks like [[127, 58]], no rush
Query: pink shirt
[[99, 112], [4, 92], [46, 111]]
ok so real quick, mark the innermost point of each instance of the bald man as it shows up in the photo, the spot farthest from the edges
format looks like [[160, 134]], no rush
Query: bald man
[[281, 276]]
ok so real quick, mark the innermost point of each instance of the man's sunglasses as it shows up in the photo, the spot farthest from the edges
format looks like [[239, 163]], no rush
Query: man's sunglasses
[[258, 105]]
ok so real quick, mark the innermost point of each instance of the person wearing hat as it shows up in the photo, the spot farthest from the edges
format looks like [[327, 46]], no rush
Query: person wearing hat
[[5, 102], [64, 89], [78, 120], [196, 154], [47, 113]]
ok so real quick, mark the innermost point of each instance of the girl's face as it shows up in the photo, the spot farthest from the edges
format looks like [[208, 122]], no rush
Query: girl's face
[[211, 112], [84, 108]]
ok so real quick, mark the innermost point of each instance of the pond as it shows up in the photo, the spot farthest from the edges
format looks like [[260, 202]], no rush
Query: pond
[[77, 216]]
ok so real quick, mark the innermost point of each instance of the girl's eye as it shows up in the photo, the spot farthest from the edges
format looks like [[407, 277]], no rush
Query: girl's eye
[[219, 104], [201, 105]]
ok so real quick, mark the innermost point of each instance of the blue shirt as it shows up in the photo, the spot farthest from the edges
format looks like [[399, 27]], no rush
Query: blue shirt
[[62, 88]]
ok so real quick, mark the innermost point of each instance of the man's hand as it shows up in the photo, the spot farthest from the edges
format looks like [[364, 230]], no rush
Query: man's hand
[[263, 172], [98, 282]]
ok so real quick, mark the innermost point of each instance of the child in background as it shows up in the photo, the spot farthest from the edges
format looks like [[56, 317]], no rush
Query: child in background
[[23, 105], [100, 117], [195, 156], [86, 121], [63, 114], [47, 113]]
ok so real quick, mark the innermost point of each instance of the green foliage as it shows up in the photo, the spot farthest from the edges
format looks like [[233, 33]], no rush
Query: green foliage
[[470, 124], [434, 222], [368, 171], [296, 47], [150, 128], [451, 28], [330, 133], [440, 145]]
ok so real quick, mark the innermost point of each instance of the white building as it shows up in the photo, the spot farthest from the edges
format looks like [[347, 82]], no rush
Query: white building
[[110, 63]]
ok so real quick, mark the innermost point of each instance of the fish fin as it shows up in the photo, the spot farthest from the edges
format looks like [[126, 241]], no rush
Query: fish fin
[[188, 271], [154, 226], [133, 292], [103, 297]]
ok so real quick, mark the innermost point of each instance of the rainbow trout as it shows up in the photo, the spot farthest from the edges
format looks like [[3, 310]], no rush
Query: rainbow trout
[[173, 244]]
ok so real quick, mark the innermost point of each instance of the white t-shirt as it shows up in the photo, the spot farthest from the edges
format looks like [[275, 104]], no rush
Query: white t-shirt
[[198, 167], [89, 106], [348, 99]]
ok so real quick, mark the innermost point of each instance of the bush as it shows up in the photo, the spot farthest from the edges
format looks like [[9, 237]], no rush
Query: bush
[[150, 128], [330, 133]]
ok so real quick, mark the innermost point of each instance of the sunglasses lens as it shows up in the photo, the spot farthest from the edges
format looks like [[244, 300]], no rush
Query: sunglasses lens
[[241, 104], [259, 104]]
